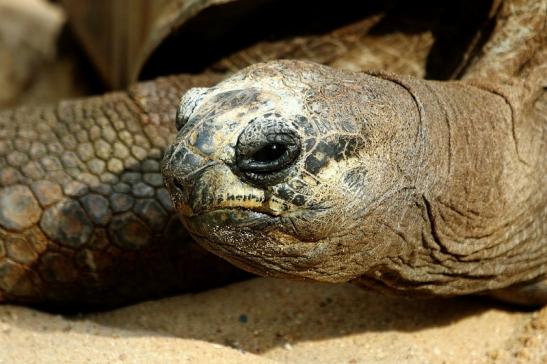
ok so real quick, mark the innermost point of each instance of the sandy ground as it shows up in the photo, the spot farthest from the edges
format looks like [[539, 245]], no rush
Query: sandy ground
[[267, 320]]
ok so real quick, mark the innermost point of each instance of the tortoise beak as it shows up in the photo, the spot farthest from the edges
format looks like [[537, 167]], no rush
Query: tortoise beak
[[198, 185]]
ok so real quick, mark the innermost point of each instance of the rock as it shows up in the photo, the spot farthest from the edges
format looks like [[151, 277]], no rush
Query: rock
[[28, 35]]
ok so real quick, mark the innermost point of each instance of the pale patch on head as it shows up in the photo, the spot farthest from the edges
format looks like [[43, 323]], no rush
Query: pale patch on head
[[188, 103]]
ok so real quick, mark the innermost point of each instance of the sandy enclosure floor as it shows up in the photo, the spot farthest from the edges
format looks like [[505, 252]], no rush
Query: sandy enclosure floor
[[267, 320]]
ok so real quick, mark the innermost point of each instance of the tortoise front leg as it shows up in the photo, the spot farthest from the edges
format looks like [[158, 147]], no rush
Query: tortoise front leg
[[84, 216]]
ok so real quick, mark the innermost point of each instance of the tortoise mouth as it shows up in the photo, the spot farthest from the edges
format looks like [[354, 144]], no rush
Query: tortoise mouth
[[203, 222]]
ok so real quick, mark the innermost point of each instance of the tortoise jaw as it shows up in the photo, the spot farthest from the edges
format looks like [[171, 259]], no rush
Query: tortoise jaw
[[201, 224]]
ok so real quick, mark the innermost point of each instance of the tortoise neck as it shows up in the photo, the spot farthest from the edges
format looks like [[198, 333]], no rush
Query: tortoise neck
[[476, 197]]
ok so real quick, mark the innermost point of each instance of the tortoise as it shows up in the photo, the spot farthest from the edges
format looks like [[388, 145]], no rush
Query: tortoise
[[297, 170], [85, 218]]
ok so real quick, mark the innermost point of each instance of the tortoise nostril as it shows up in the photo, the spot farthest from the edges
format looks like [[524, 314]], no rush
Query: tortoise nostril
[[178, 184]]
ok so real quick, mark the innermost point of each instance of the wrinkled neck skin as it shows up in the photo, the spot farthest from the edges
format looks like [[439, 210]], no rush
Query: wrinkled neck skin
[[403, 185], [472, 214]]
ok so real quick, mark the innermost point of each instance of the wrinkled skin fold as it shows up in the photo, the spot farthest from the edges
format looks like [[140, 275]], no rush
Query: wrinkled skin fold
[[405, 185]]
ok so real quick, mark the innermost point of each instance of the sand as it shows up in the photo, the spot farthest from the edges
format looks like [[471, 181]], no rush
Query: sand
[[274, 321]]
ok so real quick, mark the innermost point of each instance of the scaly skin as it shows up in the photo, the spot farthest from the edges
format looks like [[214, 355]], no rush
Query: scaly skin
[[84, 216]]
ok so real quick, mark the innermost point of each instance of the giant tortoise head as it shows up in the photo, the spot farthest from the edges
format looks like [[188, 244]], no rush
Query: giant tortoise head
[[282, 167]]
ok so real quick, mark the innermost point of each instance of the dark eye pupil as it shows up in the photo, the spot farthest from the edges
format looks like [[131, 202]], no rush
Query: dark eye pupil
[[266, 161], [270, 153]]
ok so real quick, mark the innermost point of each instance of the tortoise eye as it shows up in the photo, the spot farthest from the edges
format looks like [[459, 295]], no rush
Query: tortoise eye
[[272, 157], [265, 154], [270, 153]]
